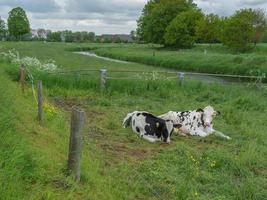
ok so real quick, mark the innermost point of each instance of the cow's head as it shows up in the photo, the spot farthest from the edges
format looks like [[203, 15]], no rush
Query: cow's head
[[170, 126], [207, 115]]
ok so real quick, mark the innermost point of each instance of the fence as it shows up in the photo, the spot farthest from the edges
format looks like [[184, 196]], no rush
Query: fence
[[78, 115], [181, 76]]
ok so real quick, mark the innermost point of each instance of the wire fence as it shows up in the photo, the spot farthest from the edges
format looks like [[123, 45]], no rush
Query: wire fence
[[179, 74], [135, 175]]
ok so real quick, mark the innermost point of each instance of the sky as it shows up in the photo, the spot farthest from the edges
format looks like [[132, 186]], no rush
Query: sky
[[104, 16]]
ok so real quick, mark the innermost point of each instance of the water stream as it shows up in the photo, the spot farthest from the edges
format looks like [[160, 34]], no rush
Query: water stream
[[207, 78]]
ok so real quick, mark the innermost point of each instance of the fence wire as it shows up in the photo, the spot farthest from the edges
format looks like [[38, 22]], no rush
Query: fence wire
[[135, 174]]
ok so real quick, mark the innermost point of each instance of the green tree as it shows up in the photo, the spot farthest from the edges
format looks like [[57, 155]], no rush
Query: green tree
[[156, 17], [3, 30], [264, 37], [77, 36], [87, 36], [91, 36], [54, 36], [133, 35], [259, 25], [207, 28], [181, 32], [68, 35], [18, 23], [238, 30]]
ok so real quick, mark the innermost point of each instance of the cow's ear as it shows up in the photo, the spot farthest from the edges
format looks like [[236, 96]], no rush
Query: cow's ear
[[177, 125], [200, 110]]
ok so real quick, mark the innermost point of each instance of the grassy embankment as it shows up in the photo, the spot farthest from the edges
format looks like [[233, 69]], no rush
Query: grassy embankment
[[117, 164], [218, 59]]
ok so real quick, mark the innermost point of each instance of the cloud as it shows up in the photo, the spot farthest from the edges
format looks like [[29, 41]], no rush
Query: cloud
[[105, 16], [228, 7], [104, 6], [34, 6], [251, 2]]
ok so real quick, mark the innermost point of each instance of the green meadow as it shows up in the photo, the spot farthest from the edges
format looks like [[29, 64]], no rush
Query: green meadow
[[214, 58], [116, 164]]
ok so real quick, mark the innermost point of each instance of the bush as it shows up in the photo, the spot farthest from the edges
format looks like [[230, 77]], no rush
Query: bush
[[181, 31]]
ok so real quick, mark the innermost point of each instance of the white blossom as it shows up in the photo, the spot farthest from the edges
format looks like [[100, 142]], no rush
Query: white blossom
[[32, 62]]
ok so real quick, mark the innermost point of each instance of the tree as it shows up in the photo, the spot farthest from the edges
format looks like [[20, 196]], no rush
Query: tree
[[68, 35], [264, 38], [259, 25], [133, 35], [3, 30], [87, 36], [54, 36], [238, 30], [77, 36], [18, 23], [181, 32], [207, 28], [244, 27], [156, 17], [91, 36], [41, 34]]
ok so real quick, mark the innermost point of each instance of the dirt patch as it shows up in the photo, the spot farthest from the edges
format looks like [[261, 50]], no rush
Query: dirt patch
[[124, 151], [61, 184], [117, 149], [68, 103]]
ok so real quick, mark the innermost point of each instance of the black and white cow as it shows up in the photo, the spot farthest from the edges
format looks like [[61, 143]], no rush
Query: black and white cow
[[196, 122], [149, 126]]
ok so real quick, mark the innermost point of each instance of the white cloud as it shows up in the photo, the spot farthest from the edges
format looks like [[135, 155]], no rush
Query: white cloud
[[104, 16], [228, 7]]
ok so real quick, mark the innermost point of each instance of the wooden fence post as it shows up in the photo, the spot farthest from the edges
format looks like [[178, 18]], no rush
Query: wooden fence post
[[181, 77], [75, 143], [103, 78], [22, 76], [40, 101]]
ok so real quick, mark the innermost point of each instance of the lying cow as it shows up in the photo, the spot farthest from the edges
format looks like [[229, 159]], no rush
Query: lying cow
[[150, 127], [196, 122]]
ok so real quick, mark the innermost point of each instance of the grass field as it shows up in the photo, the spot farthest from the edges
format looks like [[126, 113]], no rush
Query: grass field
[[217, 59], [116, 163]]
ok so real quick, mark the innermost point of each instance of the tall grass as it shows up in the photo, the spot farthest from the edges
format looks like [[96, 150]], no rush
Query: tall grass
[[215, 60], [116, 163]]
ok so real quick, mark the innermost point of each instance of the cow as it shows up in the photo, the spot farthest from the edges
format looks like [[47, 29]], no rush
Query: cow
[[150, 127], [196, 122]]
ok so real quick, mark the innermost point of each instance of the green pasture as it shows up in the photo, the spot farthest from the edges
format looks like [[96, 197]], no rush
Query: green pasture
[[116, 164]]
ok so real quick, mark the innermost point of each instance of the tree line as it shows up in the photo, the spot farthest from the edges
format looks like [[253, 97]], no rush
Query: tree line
[[181, 24], [18, 28]]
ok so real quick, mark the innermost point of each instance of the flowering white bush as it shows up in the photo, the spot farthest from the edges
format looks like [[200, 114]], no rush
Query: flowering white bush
[[13, 57]]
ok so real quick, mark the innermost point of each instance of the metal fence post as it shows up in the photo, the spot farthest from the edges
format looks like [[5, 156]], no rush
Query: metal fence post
[[40, 101], [181, 77], [103, 78], [75, 144]]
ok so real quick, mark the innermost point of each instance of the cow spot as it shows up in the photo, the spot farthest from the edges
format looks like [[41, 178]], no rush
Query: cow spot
[[200, 110], [138, 114], [137, 129]]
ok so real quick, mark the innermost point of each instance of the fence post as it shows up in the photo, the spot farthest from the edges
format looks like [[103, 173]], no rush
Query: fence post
[[40, 101], [103, 78], [260, 83], [22, 78], [75, 143], [181, 78]]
